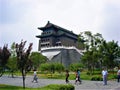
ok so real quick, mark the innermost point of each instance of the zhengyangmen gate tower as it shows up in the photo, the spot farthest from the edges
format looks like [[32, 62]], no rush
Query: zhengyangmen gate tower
[[59, 44], [53, 35]]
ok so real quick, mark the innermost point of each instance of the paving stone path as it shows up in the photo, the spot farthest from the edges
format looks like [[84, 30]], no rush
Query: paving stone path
[[86, 85]]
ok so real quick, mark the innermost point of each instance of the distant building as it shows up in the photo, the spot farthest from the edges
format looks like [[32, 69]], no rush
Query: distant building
[[53, 35], [59, 44]]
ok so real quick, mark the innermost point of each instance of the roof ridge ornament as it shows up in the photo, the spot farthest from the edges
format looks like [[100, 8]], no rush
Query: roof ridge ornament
[[48, 21]]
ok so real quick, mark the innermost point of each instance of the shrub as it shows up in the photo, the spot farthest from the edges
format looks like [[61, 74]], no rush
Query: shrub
[[112, 76], [60, 87], [48, 87], [52, 67], [75, 66], [96, 78], [88, 73]]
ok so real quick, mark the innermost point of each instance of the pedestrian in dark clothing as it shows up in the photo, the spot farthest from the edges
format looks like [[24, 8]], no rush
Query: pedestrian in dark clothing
[[77, 75], [67, 76], [78, 71], [118, 75]]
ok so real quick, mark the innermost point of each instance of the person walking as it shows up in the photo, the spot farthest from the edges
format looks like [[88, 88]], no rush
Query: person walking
[[118, 75], [78, 71], [35, 78], [67, 76], [104, 74], [77, 75]]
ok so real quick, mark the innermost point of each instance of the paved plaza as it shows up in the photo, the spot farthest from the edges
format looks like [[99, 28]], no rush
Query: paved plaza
[[86, 85]]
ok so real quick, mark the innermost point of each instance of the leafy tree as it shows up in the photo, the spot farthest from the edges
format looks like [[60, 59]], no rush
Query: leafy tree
[[81, 41], [12, 65], [48, 67], [110, 52], [44, 67], [59, 67], [91, 55], [52, 67], [4, 56], [76, 66], [23, 62], [87, 60], [12, 62], [98, 52], [37, 59]]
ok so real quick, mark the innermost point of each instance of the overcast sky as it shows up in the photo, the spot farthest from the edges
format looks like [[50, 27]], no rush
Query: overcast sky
[[19, 19]]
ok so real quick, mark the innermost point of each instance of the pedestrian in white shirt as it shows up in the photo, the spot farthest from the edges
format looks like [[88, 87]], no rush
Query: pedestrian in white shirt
[[35, 78], [104, 74]]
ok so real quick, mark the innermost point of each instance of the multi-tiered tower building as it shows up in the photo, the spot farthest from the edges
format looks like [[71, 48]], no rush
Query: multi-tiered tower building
[[53, 35], [59, 44]]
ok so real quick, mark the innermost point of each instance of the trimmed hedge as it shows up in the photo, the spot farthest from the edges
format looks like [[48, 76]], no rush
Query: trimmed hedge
[[60, 87], [48, 87], [96, 78]]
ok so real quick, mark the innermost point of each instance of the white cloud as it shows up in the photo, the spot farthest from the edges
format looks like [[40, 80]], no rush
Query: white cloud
[[23, 17]]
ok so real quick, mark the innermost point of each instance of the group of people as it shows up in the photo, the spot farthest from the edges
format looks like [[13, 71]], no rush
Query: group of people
[[104, 74], [77, 77], [35, 78]]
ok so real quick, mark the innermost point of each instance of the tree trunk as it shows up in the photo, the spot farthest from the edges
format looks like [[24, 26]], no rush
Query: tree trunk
[[1, 70], [23, 76], [93, 70], [12, 74]]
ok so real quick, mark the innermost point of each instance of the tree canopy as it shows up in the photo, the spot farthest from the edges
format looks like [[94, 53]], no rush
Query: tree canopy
[[4, 56], [98, 53], [23, 62]]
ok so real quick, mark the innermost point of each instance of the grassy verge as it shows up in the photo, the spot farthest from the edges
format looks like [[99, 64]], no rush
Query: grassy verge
[[9, 87], [48, 87]]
